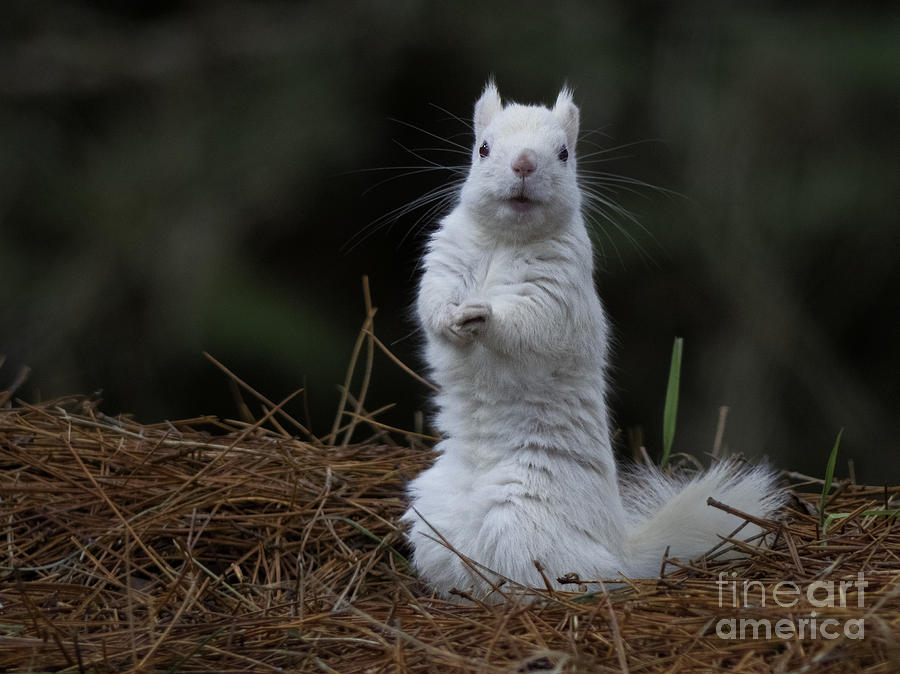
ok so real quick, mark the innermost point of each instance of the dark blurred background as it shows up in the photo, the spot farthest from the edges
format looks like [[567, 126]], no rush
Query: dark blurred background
[[183, 176]]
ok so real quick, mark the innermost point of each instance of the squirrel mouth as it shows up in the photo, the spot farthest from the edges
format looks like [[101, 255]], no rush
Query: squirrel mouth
[[520, 203]]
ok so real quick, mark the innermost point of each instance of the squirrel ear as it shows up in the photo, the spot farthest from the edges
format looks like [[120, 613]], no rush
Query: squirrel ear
[[567, 113], [487, 106]]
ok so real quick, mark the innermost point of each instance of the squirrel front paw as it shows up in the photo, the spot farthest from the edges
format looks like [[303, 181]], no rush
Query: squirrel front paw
[[467, 320]]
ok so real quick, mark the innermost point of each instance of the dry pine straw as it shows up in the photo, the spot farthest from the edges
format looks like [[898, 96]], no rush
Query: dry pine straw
[[206, 545]]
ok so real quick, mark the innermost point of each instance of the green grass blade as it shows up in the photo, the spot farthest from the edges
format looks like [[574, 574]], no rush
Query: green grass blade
[[881, 513], [829, 475], [670, 412], [865, 513], [831, 518]]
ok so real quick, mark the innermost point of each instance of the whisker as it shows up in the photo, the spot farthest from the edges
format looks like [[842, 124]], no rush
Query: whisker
[[466, 154], [429, 133], [430, 215], [616, 148], [584, 137], [412, 171], [417, 155], [604, 177], [431, 204], [465, 122], [602, 209], [611, 189], [437, 197], [598, 228]]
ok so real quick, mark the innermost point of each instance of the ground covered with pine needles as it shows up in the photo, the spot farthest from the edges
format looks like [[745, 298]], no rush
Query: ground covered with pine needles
[[213, 546]]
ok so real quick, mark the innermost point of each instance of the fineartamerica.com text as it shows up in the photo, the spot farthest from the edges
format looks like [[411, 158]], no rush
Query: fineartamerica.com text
[[819, 594]]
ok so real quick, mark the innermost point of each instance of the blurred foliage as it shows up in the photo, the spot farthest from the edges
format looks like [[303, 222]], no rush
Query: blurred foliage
[[183, 176]]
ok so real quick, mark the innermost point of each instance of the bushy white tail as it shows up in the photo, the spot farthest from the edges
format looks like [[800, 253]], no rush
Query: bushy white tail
[[671, 512]]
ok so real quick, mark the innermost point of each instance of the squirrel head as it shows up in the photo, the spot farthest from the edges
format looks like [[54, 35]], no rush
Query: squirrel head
[[522, 181]]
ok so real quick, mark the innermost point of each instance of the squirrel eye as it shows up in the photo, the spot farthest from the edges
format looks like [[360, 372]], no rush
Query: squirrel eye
[[563, 153], [484, 150]]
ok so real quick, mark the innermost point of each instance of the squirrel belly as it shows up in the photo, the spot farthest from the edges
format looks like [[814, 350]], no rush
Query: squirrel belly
[[516, 339]]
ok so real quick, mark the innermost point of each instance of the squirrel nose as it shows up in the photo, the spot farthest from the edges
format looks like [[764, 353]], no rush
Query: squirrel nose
[[524, 164]]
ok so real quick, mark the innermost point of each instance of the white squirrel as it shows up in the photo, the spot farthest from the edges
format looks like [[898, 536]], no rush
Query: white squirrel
[[516, 339]]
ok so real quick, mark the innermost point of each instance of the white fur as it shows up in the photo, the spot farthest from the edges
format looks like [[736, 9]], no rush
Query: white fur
[[517, 341]]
